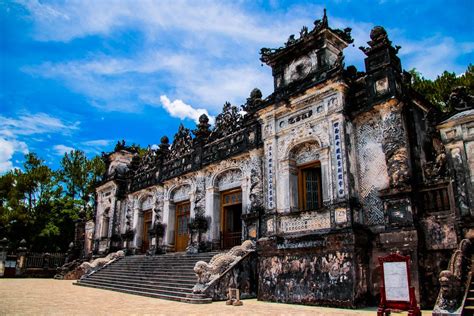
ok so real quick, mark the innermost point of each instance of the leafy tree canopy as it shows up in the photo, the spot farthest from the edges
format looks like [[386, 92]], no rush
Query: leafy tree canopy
[[438, 91], [41, 205]]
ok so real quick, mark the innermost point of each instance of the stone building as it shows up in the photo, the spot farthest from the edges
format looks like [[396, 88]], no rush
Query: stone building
[[332, 170]]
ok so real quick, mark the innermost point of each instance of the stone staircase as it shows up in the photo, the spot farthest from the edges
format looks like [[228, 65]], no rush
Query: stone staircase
[[469, 303], [169, 276]]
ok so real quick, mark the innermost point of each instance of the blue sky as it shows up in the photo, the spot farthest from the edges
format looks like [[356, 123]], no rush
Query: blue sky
[[84, 74]]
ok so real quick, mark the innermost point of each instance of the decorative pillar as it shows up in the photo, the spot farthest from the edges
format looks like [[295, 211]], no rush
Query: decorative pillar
[[245, 195], [169, 217], [325, 181], [284, 187], [214, 212], [136, 237]]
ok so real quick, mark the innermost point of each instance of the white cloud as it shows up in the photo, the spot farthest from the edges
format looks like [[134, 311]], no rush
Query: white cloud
[[206, 54], [7, 150], [95, 146], [137, 78], [97, 142], [66, 21], [62, 149], [15, 132], [432, 56], [181, 110], [39, 123]]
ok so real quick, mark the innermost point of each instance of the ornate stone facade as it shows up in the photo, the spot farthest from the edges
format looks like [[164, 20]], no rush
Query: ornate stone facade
[[332, 170]]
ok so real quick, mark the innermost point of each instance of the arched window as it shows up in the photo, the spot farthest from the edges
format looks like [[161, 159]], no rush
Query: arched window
[[105, 224], [309, 187], [305, 177]]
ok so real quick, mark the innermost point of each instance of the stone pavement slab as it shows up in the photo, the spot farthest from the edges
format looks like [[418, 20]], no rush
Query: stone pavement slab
[[54, 297]]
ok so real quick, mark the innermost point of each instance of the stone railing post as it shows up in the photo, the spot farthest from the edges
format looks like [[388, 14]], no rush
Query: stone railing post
[[21, 258], [46, 258], [3, 254]]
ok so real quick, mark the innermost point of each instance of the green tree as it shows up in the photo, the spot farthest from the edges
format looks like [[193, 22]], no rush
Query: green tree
[[80, 177], [27, 197], [41, 205], [438, 91]]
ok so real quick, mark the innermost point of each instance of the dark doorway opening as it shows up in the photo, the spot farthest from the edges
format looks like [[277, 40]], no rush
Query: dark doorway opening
[[231, 219]]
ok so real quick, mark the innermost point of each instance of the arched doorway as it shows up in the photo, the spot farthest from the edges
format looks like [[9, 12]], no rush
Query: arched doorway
[[183, 212], [229, 185], [179, 207], [147, 227], [231, 218], [145, 223]]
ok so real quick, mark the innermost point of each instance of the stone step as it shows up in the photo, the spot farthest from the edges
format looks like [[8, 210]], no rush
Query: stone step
[[150, 287], [148, 273], [171, 260], [154, 267], [165, 276], [183, 286], [160, 262], [174, 257], [189, 272], [192, 300], [139, 279]]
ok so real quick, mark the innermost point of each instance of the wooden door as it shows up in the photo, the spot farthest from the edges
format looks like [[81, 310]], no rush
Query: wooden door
[[231, 215], [147, 222], [181, 229]]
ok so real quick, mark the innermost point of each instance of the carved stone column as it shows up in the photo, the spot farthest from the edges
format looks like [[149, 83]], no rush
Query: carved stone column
[[397, 198], [169, 220], [214, 212], [285, 187], [135, 224]]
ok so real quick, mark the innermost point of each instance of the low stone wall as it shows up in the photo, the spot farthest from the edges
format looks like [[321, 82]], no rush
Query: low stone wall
[[329, 270]]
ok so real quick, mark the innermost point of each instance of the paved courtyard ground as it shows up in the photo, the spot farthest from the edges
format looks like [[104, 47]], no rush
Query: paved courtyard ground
[[53, 297]]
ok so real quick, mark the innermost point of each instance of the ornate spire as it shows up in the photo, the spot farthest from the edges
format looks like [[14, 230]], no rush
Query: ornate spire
[[378, 39], [227, 122], [182, 142], [253, 102], [268, 55], [202, 132]]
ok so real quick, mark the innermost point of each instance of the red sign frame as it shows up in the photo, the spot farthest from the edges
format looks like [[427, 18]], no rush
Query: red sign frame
[[385, 305]]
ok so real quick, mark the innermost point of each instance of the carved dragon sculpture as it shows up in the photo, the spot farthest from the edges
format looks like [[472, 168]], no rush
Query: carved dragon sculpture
[[453, 281], [208, 272]]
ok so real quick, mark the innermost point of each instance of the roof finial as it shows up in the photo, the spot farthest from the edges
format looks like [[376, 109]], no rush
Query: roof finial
[[325, 19]]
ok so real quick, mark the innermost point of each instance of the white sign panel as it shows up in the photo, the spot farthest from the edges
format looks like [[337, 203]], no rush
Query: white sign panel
[[396, 281]]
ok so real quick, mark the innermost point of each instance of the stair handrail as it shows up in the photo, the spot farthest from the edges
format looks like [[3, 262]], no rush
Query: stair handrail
[[98, 264], [209, 273], [454, 281]]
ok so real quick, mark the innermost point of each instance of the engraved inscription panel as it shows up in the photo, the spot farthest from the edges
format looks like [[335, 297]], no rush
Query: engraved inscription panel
[[396, 281]]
